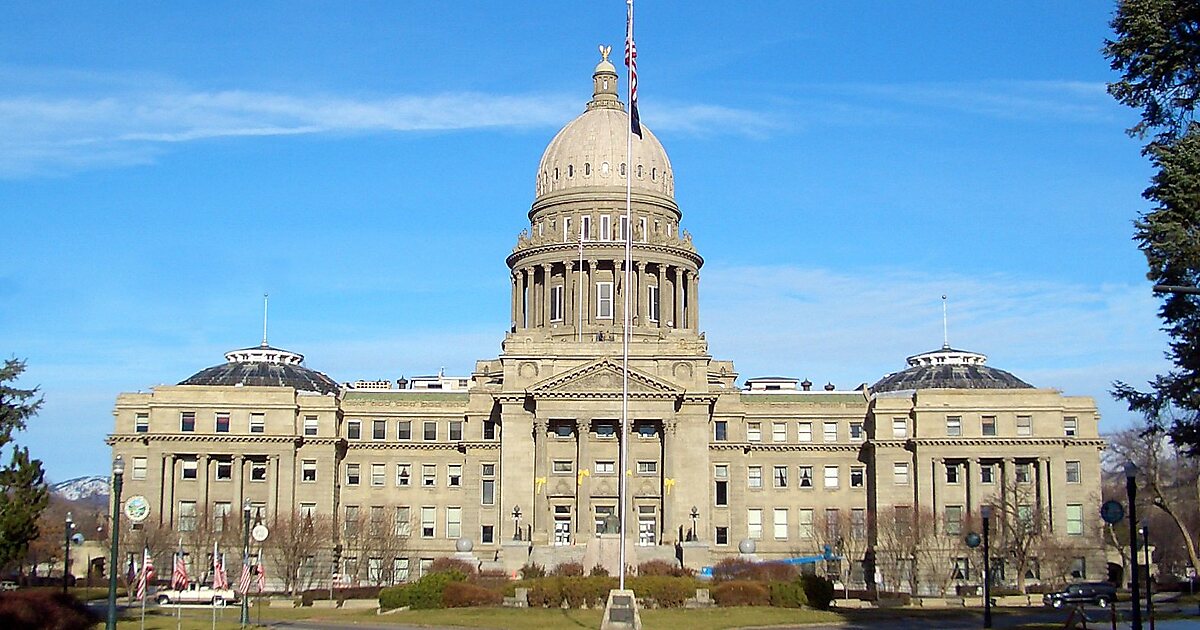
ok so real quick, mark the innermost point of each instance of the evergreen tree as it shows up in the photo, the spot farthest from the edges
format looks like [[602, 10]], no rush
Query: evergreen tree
[[23, 490], [1157, 52]]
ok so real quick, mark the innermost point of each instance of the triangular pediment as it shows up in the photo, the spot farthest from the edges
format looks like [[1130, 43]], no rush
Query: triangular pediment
[[602, 379]]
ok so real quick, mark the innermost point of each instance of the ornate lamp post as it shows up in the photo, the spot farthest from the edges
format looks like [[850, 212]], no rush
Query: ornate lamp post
[[516, 514], [245, 559], [1131, 490], [118, 471], [67, 527], [1146, 551], [695, 515]]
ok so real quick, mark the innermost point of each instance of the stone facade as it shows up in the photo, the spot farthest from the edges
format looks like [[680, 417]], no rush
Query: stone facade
[[800, 472]]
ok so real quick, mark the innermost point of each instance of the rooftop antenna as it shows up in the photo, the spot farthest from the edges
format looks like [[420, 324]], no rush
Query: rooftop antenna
[[945, 327], [264, 343]]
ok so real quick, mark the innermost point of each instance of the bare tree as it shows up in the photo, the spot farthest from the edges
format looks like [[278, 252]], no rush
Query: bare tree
[[1058, 555], [204, 531], [376, 539], [1020, 525], [896, 549], [296, 546], [939, 545]]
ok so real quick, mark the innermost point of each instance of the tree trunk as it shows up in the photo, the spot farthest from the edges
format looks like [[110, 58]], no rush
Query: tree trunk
[[1187, 536]]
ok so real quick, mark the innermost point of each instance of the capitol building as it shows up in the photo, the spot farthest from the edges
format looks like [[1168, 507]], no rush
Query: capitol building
[[516, 462]]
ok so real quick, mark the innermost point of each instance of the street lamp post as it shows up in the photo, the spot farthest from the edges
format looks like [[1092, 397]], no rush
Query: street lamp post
[[67, 527], [516, 514], [1146, 552], [1131, 490], [118, 471], [695, 515], [245, 559], [986, 512]]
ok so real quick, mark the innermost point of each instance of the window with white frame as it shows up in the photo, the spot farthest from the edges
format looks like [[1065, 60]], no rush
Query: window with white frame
[[831, 477], [954, 516], [652, 303], [187, 516], [310, 426], [987, 425], [604, 300], [402, 525], [403, 475], [1073, 475], [585, 227], [430, 431], [353, 430], [779, 476], [858, 524], [804, 518], [900, 473], [1070, 426], [187, 421], [804, 432], [454, 475], [453, 522], [563, 467], [805, 476], [952, 472], [308, 470], [488, 490], [754, 476], [141, 423], [258, 423], [1024, 472], [605, 227], [428, 475], [428, 522], [190, 469], [224, 469], [456, 430], [1024, 425], [556, 303], [642, 227], [378, 475], [987, 473], [1074, 519], [856, 432], [720, 430], [647, 467], [899, 428], [858, 476], [605, 467], [753, 431], [754, 524], [778, 431], [222, 422], [353, 474], [781, 523], [258, 470], [624, 227], [378, 429], [721, 484], [831, 432], [139, 468], [953, 426], [487, 534]]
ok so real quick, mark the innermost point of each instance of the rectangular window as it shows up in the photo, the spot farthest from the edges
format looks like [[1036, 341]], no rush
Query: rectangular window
[[402, 525], [488, 493], [647, 468], [308, 470], [563, 466], [310, 425], [754, 476], [721, 480], [1024, 425], [222, 422], [806, 476], [900, 473], [429, 433], [987, 425], [456, 430], [567, 234], [489, 429], [556, 303], [604, 300], [600, 519], [753, 431], [428, 522], [399, 570], [187, 421], [139, 468], [754, 524], [779, 476], [624, 228], [142, 423], [833, 523], [858, 476], [585, 227], [951, 473], [1074, 519], [353, 430], [1023, 472], [258, 470], [831, 432], [453, 522], [1070, 426], [454, 475], [899, 428], [223, 511], [778, 431], [987, 473], [1073, 475], [781, 523], [720, 431], [856, 431], [722, 535], [831, 477], [403, 475], [404, 430], [953, 426], [190, 469], [605, 468], [428, 475], [804, 517], [353, 474], [378, 429], [187, 516], [605, 227], [858, 524], [804, 432], [378, 474], [605, 428], [954, 514], [652, 303], [642, 227], [258, 423]]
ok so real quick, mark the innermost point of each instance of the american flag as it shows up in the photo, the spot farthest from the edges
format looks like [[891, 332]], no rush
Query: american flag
[[262, 577], [220, 580], [179, 576], [147, 574], [635, 121], [244, 580]]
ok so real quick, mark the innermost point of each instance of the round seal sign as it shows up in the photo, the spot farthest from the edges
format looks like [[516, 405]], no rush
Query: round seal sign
[[1112, 512], [137, 508], [259, 533], [973, 540]]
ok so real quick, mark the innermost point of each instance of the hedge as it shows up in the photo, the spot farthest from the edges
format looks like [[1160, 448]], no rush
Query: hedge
[[423, 594], [788, 594], [741, 593], [817, 590], [465, 594]]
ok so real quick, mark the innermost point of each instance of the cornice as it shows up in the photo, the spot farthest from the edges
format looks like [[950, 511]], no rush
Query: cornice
[[792, 448], [421, 446], [1009, 441], [570, 251], [146, 438]]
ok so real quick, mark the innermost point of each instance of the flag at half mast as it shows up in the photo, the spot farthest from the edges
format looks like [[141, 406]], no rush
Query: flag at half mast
[[635, 121]]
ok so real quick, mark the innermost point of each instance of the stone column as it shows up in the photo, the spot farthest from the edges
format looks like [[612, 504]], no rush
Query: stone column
[[935, 494], [668, 446], [1045, 490], [202, 462], [618, 297], [694, 303], [514, 310], [661, 276], [239, 480], [546, 278], [166, 471], [636, 302], [583, 504], [678, 301], [592, 276], [569, 298], [273, 487], [541, 470], [969, 496]]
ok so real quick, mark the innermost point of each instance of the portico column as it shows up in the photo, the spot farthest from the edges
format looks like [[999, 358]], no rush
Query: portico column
[[202, 466], [635, 302], [1044, 490], [935, 492], [618, 309], [661, 276], [569, 295], [590, 315], [667, 449], [541, 474], [694, 302], [582, 463], [546, 277], [678, 306], [239, 480]]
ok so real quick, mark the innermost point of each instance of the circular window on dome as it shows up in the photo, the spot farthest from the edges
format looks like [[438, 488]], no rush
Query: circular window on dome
[[604, 168]]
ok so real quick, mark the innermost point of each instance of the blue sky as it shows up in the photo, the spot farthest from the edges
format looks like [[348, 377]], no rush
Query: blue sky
[[840, 166]]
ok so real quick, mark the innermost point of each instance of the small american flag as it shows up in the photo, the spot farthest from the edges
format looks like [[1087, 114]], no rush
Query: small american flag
[[262, 577], [244, 580], [147, 574], [220, 580], [635, 121], [179, 576]]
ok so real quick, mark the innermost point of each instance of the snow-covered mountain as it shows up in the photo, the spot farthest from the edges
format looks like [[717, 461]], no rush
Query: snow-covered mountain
[[92, 489]]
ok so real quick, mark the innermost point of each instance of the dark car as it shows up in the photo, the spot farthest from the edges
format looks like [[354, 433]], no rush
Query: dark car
[[1099, 593]]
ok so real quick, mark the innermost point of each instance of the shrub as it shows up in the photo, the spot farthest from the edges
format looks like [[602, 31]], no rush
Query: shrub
[[663, 567], [664, 590], [598, 571], [533, 570], [740, 569], [589, 591], [818, 591], [741, 593], [446, 565], [732, 569], [465, 594], [788, 594], [494, 579], [423, 594], [33, 610], [569, 569], [389, 598], [546, 592]]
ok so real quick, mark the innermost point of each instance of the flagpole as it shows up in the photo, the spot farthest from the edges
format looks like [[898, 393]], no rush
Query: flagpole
[[145, 587], [579, 285], [624, 482]]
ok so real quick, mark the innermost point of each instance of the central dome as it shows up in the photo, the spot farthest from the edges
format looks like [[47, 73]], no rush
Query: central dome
[[592, 152]]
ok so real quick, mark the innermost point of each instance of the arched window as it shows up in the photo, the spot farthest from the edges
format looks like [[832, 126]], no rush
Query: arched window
[[587, 169], [653, 174], [604, 169], [622, 169], [639, 171], [570, 170], [555, 173]]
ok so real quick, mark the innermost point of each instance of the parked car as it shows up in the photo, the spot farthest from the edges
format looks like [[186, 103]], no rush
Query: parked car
[[1099, 593], [8, 585], [196, 594]]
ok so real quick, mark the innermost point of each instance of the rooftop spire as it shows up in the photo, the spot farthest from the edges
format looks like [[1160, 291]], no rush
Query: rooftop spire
[[264, 343], [604, 83], [945, 326]]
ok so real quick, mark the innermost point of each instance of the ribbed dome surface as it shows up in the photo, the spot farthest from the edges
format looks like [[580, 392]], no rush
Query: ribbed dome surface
[[264, 366], [591, 150], [948, 368]]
